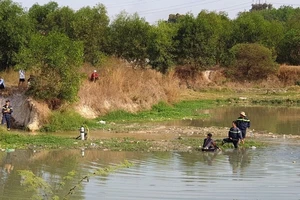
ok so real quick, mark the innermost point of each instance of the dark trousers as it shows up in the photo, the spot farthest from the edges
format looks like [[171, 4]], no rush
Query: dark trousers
[[243, 133], [234, 141], [7, 119]]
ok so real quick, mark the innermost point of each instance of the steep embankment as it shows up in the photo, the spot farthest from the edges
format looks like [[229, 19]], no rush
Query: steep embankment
[[27, 113], [125, 88]]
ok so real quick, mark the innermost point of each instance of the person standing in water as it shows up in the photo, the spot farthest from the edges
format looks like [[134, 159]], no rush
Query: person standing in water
[[243, 123]]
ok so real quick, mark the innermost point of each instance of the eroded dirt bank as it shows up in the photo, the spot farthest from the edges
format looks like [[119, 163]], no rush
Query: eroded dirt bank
[[27, 113]]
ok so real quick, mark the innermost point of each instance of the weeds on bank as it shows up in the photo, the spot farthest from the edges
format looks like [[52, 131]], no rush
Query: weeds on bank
[[124, 144], [197, 143], [67, 120], [12, 140], [164, 111], [43, 190]]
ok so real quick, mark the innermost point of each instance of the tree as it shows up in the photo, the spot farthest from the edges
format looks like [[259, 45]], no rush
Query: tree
[[91, 27], [199, 41], [55, 60], [38, 15], [15, 29], [61, 20], [260, 6], [253, 28], [289, 48], [129, 38], [160, 47], [251, 62]]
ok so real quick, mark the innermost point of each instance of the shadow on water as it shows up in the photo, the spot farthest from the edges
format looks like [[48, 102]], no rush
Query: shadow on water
[[281, 120]]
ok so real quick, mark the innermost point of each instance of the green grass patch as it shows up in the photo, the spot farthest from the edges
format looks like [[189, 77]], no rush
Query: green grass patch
[[124, 144], [67, 120], [19, 141], [163, 111]]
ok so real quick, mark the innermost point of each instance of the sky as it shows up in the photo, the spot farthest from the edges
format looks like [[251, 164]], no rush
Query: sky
[[154, 10]]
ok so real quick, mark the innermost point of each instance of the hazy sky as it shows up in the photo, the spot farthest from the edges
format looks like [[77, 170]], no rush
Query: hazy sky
[[154, 10]]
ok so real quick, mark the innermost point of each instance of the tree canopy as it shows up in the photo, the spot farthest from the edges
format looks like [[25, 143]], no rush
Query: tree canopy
[[57, 38]]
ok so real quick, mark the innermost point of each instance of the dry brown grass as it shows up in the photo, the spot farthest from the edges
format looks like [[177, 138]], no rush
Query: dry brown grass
[[11, 77], [122, 87], [289, 75]]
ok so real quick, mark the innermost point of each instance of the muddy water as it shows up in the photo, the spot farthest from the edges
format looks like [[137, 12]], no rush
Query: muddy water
[[271, 173], [280, 120]]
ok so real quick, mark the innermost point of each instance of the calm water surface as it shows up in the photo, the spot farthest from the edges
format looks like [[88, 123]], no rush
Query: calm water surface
[[280, 120], [272, 173]]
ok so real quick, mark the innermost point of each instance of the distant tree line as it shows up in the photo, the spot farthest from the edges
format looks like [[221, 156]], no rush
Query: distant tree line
[[54, 41]]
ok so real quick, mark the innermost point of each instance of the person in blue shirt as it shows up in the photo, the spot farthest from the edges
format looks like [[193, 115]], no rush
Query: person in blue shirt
[[243, 123], [234, 135]]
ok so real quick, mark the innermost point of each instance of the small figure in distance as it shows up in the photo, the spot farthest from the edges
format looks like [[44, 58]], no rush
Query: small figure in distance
[[234, 135], [6, 112], [94, 76], [2, 85], [82, 133], [243, 123], [21, 77], [209, 144], [30, 80]]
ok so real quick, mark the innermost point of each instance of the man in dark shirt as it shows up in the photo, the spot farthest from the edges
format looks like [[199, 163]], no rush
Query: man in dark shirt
[[243, 123], [6, 112], [234, 135]]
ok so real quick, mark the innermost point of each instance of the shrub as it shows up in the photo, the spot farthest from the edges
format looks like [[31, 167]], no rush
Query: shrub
[[251, 62]]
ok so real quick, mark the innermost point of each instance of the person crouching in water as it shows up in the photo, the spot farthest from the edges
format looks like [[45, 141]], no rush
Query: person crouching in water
[[209, 144], [234, 135]]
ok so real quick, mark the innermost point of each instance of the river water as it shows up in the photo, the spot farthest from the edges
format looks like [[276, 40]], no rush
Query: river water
[[279, 120], [272, 173], [256, 173]]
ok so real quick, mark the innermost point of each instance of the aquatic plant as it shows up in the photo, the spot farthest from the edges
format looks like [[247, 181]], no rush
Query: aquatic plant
[[43, 190]]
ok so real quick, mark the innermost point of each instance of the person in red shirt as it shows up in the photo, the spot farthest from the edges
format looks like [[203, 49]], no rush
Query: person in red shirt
[[94, 76]]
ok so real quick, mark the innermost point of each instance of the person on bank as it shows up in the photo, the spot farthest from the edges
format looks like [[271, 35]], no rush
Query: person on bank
[[2, 86], [209, 144], [94, 76], [243, 123], [234, 135], [6, 112], [21, 78]]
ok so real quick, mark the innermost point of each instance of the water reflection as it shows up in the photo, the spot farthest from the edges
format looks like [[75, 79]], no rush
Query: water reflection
[[160, 175], [209, 157], [281, 120], [239, 159]]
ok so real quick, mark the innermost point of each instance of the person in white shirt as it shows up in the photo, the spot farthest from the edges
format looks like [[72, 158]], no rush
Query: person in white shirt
[[2, 86], [21, 77]]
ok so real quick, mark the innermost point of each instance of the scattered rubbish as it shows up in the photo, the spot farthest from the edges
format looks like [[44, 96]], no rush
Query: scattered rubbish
[[102, 122], [10, 150]]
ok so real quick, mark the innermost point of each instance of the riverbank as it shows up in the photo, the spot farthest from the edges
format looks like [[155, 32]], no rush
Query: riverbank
[[139, 137]]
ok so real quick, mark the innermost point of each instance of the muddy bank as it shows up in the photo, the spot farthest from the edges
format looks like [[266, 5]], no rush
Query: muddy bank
[[179, 138], [27, 113]]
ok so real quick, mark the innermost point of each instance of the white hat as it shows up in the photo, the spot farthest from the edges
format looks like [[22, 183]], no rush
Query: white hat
[[95, 70], [243, 113]]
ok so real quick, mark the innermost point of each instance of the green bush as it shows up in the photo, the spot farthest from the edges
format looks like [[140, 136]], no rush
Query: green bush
[[251, 62]]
